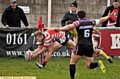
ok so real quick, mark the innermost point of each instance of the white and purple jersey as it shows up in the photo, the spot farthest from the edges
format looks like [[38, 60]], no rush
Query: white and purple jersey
[[84, 29]]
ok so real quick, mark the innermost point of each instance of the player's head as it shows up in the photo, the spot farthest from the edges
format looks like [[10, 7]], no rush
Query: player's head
[[68, 22], [116, 3], [39, 36], [81, 14]]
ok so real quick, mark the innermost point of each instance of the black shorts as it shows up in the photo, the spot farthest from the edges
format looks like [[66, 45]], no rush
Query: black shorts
[[84, 50], [64, 41]]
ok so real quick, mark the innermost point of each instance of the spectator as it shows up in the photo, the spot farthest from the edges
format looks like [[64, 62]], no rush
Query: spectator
[[13, 15], [70, 15], [115, 18]]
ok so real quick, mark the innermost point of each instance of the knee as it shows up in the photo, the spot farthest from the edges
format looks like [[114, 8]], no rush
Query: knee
[[50, 50], [72, 62]]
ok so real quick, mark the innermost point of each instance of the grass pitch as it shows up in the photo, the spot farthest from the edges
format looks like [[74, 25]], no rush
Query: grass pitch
[[57, 68]]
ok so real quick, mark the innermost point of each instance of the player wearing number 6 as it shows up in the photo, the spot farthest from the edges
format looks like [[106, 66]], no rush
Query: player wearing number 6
[[97, 50], [84, 45]]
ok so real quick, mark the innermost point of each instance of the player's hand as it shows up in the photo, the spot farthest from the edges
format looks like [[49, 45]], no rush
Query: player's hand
[[57, 29], [33, 56]]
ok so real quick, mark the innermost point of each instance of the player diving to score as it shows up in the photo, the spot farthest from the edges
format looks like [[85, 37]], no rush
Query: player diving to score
[[50, 41]]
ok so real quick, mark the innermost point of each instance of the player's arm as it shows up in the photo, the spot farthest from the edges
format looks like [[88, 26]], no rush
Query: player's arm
[[68, 27], [38, 49], [44, 48], [39, 52]]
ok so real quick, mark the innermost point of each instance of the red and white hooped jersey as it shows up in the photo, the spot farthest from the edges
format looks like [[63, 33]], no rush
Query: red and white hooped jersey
[[51, 36]]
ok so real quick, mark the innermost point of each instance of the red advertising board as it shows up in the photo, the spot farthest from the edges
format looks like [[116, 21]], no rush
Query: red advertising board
[[109, 40]]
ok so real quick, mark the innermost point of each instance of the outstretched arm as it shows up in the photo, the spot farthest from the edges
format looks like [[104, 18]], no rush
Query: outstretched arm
[[39, 52], [38, 49], [68, 27]]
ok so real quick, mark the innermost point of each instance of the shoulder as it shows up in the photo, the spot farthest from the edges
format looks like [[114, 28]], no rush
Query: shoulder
[[7, 8], [68, 12], [19, 9], [76, 23], [110, 7]]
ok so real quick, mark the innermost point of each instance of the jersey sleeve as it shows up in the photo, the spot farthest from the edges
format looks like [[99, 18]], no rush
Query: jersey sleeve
[[76, 24], [47, 42], [97, 21]]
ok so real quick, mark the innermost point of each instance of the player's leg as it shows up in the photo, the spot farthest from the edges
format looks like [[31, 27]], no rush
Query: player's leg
[[91, 64], [88, 52], [67, 42], [72, 67], [52, 48], [73, 60], [101, 52], [70, 44]]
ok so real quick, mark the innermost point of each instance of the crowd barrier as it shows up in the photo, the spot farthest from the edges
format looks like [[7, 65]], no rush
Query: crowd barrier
[[110, 40], [15, 42]]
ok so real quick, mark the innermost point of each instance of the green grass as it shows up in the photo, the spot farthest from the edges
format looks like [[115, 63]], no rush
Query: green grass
[[57, 68]]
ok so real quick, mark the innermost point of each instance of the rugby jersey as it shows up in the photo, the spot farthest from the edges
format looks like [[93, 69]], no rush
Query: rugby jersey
[[51, 36], [84, 30]]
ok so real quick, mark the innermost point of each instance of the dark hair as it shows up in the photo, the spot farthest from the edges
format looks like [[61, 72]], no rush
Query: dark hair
[[69, 22], [81, 14], [38, 33]]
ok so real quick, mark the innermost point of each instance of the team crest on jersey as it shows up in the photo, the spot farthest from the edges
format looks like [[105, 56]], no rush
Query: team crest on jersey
[[115, 15], [96, 39]]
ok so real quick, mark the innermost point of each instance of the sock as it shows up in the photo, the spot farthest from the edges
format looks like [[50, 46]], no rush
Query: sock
[[104, 54], [44, 63], [93, 65], [72, 70]]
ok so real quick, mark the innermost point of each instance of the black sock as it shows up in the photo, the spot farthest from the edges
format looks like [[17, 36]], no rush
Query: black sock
[[72, 70], [44, 63], [93, 65]]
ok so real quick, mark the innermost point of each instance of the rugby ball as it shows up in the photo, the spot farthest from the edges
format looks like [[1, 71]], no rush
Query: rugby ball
[[27, 55]]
